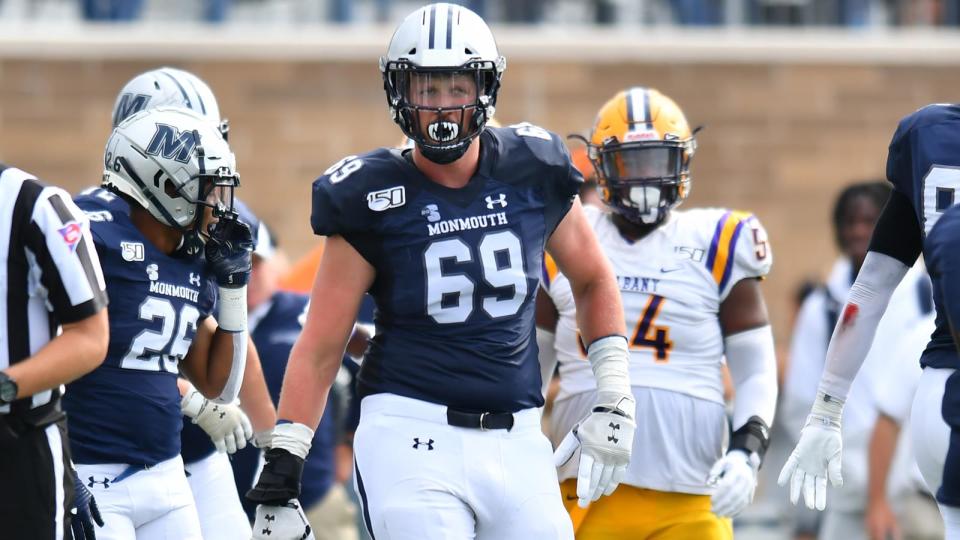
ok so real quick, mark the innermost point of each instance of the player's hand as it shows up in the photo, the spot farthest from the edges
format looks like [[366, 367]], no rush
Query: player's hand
[[85, 513], [880, 521], [228, 426], [815, 459], [228, 252], [279, 480], [734, 479], [605, 439], [284, 521]]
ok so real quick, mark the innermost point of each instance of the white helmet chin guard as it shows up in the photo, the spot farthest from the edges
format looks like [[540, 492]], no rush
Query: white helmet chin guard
[[436, 43], [172, 162], [167, 87]]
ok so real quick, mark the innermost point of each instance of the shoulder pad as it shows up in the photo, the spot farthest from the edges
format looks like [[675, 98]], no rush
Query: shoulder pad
[[739, 248], [545, 145], [519, 142], [349, 194]]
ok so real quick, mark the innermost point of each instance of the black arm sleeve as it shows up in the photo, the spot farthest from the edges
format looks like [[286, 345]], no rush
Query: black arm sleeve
[[898, 232]]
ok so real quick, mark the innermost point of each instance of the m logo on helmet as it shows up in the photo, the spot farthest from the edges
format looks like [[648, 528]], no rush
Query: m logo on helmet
[[170, 143], [130, 104]]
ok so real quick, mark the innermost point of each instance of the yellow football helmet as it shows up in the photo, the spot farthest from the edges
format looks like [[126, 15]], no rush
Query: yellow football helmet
[[641, 147]]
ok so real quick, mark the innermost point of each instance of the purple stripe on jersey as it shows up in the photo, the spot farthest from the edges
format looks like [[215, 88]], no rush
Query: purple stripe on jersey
[[715, 243]]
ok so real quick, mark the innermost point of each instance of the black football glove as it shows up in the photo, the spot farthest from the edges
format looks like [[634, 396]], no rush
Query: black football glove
[[280, 479], [228, 251], [85, 512]]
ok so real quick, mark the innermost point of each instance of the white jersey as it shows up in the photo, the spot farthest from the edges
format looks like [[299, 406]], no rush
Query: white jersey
[[672, 283]]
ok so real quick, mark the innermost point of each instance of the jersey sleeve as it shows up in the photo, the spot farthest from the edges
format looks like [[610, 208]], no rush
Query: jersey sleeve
[[899, 164], [339, 205], [59, 239], [739, 249]]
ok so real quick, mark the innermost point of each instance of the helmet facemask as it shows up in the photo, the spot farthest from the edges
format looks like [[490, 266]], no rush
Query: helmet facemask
[[442, 109], [643, 180], [210, 193]]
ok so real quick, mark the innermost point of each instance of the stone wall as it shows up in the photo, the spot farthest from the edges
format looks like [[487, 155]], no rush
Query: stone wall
[[784, 132]]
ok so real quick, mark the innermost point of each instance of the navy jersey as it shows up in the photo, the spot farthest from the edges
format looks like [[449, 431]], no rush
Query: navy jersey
[[456, 269], [924, 166], [275, 327], [942, 255], [128, 409]]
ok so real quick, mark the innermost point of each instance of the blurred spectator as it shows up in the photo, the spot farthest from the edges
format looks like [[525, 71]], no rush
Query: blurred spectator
[[854, 216], [525, 11], [112, 10], [698, 12]]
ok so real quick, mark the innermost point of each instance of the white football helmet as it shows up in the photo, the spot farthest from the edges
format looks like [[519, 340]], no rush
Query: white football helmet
[[167, 87], [172, 162], [428, 51]]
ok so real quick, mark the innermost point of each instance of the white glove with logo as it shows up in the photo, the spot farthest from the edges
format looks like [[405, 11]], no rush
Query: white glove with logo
[[734, 478], [284, 522], [817, 455], [228, 427], [605, 440]]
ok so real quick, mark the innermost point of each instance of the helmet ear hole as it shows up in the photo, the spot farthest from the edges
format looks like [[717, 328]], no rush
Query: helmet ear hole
[[170, 189]]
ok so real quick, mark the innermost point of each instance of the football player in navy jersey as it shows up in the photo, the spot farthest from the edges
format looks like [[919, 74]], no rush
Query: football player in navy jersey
[[171, 250], [210, 430], [448, 237], [923, 164]]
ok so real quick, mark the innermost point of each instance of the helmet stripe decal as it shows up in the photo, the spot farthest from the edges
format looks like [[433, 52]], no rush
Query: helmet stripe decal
[[203, 109], [183, 91], [449, 26], [433, 24], [648, 118], [637, 103]]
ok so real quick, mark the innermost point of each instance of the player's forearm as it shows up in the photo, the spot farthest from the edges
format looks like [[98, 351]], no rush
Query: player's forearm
[[599, 310], [751, 358], [226, 363], [77, 351], [254, 396], [310, 373], [857, 324], [883, 444]]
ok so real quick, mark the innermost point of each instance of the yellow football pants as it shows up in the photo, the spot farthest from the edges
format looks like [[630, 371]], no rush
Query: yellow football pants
[[637, 513]]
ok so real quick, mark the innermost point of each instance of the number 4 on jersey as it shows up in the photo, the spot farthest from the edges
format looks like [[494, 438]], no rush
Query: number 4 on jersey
[[647, 334], [650, 335]]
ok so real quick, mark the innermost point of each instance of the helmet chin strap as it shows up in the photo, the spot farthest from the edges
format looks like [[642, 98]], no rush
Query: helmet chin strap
[[443, 156]]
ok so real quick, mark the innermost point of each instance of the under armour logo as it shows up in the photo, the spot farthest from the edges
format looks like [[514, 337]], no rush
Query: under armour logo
[[194, 279], [105, 482], [269, 518], [613, 434], [417, 443], [501, 201], [220, 413]]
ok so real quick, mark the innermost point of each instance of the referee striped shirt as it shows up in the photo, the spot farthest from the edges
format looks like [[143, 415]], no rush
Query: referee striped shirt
[[49, 275]]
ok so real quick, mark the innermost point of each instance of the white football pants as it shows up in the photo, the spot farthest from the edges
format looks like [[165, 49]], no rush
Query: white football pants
[[152, 504], [419, 478], [217, 500]]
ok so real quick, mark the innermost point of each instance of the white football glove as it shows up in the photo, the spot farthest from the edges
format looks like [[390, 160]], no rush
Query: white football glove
[[605, 440], [817, 455], [286, 522], [734, 478], [228, 427]]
